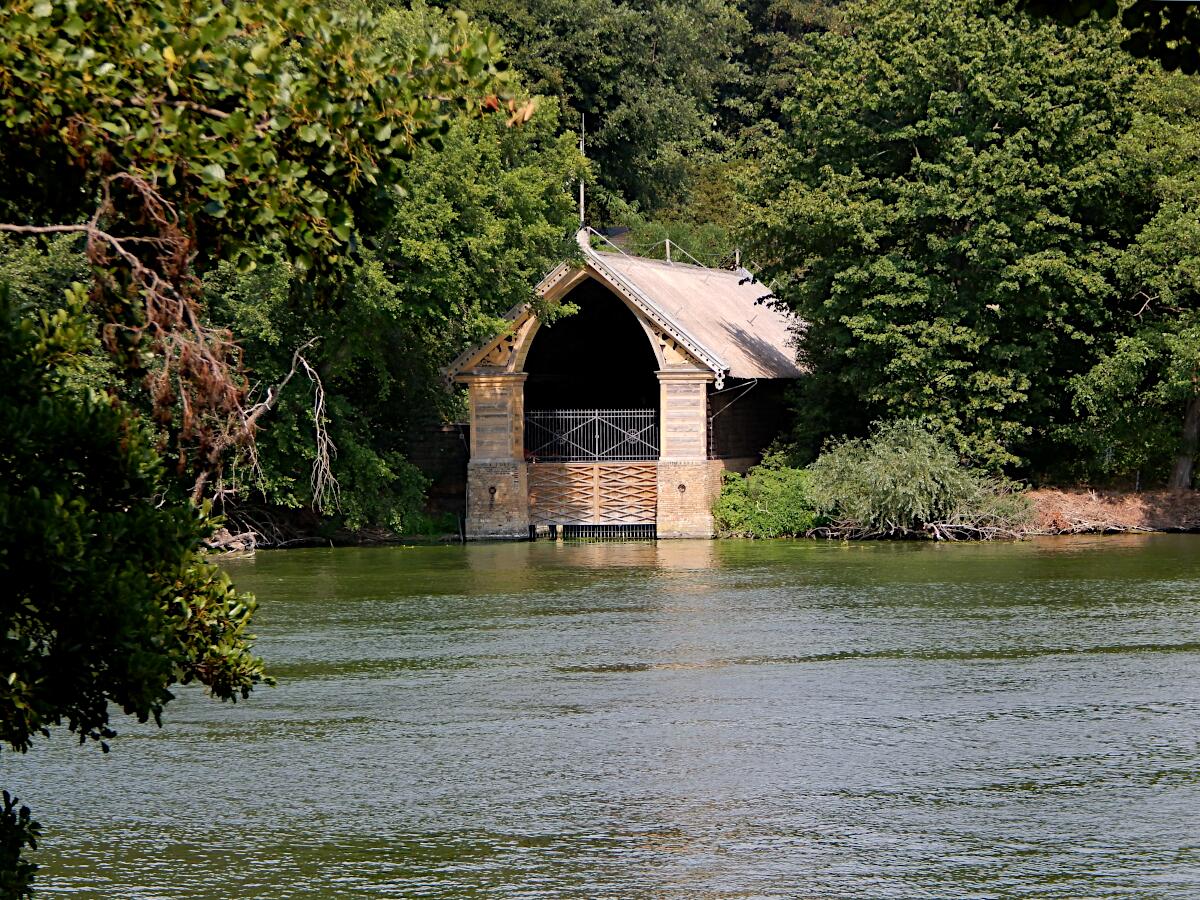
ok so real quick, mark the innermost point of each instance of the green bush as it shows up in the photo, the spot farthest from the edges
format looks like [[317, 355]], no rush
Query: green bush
[[905, 480], [771, 500]]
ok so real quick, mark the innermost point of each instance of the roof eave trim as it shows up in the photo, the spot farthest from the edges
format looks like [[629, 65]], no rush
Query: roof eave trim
[[656, 314]]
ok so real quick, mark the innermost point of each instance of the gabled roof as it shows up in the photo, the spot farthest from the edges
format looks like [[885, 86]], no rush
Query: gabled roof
[[721, 310], [718, 316]]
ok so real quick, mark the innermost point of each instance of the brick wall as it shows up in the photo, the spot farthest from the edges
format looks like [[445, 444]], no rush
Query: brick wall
[[440, 452], [686, 493], [497, 501]]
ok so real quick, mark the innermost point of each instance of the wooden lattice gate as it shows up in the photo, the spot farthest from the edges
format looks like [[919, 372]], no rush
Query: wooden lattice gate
[[593, 493]]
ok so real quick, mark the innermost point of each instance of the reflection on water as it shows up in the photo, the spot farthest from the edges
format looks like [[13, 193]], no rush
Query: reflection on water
[[683, 719]]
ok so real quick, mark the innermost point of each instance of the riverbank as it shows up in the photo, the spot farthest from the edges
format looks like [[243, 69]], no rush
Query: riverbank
[[1086, 511], [1056, 511]]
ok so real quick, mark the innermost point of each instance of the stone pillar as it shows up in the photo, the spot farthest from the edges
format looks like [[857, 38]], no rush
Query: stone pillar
[[497, 483], [688, 481]]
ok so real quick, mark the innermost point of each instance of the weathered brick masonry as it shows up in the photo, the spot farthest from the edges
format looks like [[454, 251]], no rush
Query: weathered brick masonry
[[497, 501], [686, 492]]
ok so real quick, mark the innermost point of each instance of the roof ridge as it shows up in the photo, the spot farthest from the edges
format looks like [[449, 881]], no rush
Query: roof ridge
[[671, 263]]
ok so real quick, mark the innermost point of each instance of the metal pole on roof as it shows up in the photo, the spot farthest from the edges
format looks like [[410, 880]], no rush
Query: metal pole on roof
[[668, 249], [582, 131]]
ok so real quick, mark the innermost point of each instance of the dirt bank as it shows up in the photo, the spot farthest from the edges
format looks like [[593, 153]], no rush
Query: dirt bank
[[1079, 511]]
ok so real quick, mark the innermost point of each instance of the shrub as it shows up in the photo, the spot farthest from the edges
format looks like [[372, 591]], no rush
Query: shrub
[[905, 480], [771, 500]]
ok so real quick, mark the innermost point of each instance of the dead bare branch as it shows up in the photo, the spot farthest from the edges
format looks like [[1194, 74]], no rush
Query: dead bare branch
[[325, 488], [196, 385]]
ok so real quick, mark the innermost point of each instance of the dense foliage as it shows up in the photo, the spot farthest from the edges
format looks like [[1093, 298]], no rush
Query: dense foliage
[[258, 121], [956, 207], [652, 79], [17, 831], [939, 211], [107, 598], [904, 480], [179, 136], [165, 140], [1166, 32], [478, 224], [952, 194], [1140, 403], [771, 500]]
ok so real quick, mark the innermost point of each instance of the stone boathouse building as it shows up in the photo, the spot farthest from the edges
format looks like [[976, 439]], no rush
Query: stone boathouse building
[[620, 418]]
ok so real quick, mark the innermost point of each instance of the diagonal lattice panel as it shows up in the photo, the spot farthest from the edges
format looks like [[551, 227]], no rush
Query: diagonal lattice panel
[[627, 493], [561, 493], [593, 493]]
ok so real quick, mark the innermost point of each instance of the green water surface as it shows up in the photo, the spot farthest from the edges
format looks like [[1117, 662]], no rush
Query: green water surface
[[677, 720]]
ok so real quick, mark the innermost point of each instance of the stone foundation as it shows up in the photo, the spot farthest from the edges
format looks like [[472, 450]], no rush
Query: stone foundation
[[686, 493], [497, 501]]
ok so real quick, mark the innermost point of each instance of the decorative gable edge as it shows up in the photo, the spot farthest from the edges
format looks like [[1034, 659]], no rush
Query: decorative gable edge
[[499, 353], [657, 318]]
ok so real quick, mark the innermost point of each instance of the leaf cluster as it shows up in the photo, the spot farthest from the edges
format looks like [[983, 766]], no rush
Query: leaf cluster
[[259, 122], [771, 500], [107, 600], [904, 480], [18, 830]]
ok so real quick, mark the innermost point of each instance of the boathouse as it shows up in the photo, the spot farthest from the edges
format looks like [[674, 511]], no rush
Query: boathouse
[[620, 418]]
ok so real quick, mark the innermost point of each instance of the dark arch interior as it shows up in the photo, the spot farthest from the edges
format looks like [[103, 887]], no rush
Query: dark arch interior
[[598, 358]]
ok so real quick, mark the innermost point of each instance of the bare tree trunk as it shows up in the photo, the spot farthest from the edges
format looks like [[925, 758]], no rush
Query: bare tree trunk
[[1185, 462]]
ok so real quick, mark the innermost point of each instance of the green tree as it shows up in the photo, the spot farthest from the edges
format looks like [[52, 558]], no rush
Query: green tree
[[108, 599], [474, 227], [1141, 401], [649, 75], [945, 207], [179, 136], [773, 56], [168, 137], [1164, 31]]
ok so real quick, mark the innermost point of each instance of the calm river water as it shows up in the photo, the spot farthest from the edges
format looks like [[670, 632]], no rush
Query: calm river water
[[671, 720]]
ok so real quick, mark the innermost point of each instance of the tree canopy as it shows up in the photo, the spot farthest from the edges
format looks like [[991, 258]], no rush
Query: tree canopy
[[478, 223], [652, 79], [1168, 32], [180, 139], [946, 206], [1140, 403], [193, 135]]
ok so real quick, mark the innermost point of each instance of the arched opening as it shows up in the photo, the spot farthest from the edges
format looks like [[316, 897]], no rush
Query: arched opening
[[592, 390], [598, 358]]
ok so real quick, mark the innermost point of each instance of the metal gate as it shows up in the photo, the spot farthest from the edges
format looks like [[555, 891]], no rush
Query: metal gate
[[570, 435], [593, 494]]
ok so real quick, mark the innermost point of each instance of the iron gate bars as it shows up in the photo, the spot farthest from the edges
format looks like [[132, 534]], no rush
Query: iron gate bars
[[570, 435]]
